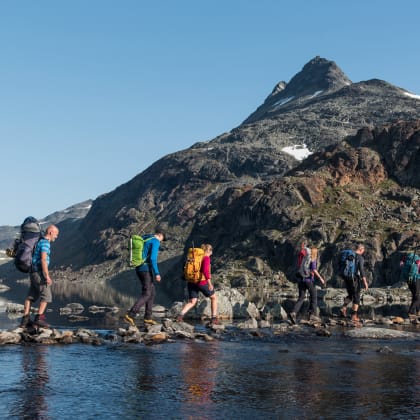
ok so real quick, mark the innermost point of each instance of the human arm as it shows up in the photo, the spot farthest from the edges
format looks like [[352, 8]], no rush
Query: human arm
[[206, 270], [319, 276], [44, 267], [360, 269], [154, 252]]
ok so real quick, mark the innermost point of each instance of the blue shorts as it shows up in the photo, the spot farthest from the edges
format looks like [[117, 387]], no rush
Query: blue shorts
[[194, 288]]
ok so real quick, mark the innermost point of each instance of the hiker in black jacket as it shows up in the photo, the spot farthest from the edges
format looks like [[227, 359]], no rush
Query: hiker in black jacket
[[353, 285]]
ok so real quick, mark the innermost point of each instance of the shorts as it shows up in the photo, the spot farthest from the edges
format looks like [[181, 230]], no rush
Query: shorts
[[39, 288], [194, 289]]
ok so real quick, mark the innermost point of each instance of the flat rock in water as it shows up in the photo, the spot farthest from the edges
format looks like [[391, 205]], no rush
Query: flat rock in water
[[372, 332]]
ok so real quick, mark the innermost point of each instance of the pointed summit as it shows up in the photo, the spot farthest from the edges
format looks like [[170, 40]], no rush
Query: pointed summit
[[318, 74], [317, 77]]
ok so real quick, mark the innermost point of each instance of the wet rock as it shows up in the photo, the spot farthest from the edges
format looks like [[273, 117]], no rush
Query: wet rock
[[398, 320], [156, 338], [14, 308], [385, 350], [4, 288], [159, 311], [72, 308], [9, 337], [217, 327], [264, 324], [273, 310], [77, 318], [249, 324], [66, 340], [183, 327], [175, 309], [380, 333], [154, 329], [97, 309], [183, 334], [323, 332]]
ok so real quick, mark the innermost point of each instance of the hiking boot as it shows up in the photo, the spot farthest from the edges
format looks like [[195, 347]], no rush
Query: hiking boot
[[292, 317], [25, 321], [150, 322], [355, 318], [343, 312], [214, 321], [129, 317], [179, 318], [40, 321]]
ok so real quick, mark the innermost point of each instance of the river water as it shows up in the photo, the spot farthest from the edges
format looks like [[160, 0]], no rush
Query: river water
[[276, 377], [303, 378]]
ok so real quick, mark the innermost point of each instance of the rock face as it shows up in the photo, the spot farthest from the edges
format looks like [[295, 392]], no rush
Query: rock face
[[254, 202]]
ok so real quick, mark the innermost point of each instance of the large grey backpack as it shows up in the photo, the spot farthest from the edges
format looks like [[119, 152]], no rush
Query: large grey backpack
[[24, 246]]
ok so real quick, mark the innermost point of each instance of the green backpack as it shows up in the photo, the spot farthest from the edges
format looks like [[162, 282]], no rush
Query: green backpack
[[135, 250]]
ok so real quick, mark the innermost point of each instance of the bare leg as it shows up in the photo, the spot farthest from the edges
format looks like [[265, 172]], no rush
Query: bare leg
[[42, 307], [27, 307], [191, 303], [213, 303]]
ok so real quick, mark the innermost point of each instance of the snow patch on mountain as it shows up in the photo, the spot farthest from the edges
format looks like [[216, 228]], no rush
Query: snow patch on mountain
[[298, 151]]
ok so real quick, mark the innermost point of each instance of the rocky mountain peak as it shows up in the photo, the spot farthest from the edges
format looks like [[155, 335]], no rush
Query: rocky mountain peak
[[317, 77]]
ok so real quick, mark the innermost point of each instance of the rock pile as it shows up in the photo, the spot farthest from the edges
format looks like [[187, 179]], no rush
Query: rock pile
[[169, 331]]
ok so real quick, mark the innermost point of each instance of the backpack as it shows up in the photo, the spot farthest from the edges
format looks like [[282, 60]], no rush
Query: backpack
[[192, 266], [409, 270], [347, 263], [24, 246], [135, 249], [304, 266]]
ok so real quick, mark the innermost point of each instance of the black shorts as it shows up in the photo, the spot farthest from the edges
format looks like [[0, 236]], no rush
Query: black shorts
[[195, 288]]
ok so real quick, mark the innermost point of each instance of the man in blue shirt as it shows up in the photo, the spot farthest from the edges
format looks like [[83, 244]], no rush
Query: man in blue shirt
[[39, 276], [146, 272]]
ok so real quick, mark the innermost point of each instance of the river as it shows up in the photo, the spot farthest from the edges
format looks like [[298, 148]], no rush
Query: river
[[305, 378]]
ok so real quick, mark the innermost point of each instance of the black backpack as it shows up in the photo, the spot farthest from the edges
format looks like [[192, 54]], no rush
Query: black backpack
[[24, 246]]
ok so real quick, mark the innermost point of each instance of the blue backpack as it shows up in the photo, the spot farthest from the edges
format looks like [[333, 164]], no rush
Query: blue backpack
[[347, 263], [410, 270]]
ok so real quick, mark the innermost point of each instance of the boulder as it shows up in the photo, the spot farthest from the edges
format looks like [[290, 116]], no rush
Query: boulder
[[380, 333], [9, 337]]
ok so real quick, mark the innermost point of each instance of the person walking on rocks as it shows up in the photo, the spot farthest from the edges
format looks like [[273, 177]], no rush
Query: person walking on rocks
[[40, 287], [410, 273], [147, 273], [204, 286], [353, 284], [306, 282]]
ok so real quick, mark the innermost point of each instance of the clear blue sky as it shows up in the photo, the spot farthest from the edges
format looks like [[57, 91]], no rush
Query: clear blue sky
[[92, 92]]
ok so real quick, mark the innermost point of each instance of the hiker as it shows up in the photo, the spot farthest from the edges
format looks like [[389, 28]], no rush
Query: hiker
[[40, 279], [307, 282], [147, 272], [414, 286], [353, 286], [204, 286]]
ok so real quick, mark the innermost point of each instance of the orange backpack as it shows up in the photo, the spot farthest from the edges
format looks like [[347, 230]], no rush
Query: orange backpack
[[192, 266]]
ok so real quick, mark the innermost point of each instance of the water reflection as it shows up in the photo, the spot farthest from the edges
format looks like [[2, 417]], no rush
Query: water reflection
[[35, 380], [198, 369], [301, 378]]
